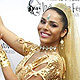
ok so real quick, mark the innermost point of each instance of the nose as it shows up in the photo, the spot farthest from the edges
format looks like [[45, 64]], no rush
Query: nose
[[46, 26]]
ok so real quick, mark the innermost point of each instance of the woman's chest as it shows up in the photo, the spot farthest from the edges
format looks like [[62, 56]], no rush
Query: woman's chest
[[34, 62]]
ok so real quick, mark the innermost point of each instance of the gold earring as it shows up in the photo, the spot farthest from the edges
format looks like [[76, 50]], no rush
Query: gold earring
[[62, 43]]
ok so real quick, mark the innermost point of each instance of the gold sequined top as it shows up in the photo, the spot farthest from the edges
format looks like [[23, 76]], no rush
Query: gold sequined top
[[54, 69]]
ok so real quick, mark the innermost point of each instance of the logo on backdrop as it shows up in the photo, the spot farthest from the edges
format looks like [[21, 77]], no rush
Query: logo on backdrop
[[34, 7], [6, 47]]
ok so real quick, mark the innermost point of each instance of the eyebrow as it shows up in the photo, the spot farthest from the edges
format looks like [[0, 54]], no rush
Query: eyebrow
[[50, 21], [43, 18]]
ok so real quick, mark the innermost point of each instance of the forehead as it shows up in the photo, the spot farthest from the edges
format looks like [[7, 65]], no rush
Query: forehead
[[54, 16]]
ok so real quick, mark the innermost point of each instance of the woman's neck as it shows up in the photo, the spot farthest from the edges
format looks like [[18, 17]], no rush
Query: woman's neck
[[47, 47]]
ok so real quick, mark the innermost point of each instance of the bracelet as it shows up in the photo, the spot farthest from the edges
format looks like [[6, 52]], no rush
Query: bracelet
[[3, 59]]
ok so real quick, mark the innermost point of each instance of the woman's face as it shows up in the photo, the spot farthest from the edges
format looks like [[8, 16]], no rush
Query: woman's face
[[50, 28]]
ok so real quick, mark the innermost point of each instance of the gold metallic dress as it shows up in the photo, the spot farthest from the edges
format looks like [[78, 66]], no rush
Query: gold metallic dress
[[54, 69]]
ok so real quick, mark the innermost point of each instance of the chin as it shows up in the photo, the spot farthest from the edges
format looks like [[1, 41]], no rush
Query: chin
[[45, 41]]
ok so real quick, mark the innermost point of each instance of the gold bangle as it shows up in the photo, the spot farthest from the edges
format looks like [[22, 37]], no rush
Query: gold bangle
[[3, 59]]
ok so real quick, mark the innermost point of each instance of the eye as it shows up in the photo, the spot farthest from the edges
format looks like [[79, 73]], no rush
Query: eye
[[43, 21], [53, 25]]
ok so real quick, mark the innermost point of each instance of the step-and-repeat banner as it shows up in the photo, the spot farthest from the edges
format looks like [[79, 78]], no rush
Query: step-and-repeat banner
[[22, 17]]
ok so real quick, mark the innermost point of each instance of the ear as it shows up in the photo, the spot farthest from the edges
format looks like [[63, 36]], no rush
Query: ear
[[63, 33]]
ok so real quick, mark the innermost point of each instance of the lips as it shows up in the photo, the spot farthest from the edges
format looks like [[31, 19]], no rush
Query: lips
[[44, 34]]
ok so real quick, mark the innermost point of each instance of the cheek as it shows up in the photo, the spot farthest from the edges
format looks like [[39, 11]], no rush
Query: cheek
[[56, 32], [39, 27]]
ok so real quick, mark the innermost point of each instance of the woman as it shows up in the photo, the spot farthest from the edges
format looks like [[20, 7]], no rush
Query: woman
[[54, 57]]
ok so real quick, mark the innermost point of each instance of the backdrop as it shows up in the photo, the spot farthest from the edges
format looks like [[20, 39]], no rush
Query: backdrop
[[22, 18]]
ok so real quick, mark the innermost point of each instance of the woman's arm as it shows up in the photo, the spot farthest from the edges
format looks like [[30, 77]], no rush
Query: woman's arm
[[6, 68], [5, 65], [8, 73], [10, 38]]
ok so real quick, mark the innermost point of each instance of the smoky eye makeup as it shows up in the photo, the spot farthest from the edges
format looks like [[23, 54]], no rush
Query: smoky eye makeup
[[43, 21], [53, 24]]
